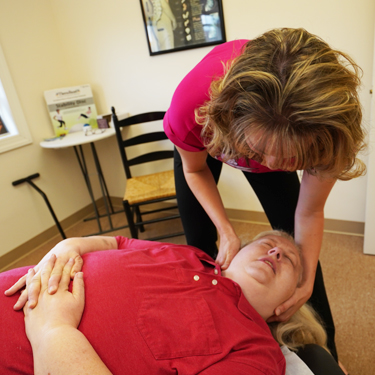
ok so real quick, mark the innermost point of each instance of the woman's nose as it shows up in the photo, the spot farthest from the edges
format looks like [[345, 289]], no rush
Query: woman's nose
[[275, 251], [270, 161]]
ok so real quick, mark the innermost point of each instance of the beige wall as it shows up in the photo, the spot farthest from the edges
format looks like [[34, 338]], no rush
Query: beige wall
[[30, 42], [54, 43]]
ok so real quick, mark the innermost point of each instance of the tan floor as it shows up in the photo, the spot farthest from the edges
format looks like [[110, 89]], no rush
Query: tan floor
[[349, 277]]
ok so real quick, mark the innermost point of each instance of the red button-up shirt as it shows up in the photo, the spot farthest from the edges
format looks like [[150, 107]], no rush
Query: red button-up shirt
[[159, 308], [154, 308]]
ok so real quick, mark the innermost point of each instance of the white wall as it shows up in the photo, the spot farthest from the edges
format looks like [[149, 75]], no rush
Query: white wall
[[54, 43]]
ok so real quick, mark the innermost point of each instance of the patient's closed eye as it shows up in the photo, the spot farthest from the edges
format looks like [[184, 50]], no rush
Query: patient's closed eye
[[290, 260], [270, 245]]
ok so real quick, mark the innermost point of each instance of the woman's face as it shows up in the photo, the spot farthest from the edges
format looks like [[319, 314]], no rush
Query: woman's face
[[268, 269], [268, 157]]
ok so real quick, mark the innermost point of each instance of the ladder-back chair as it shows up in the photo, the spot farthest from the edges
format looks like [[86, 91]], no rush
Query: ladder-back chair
[[150, 188]]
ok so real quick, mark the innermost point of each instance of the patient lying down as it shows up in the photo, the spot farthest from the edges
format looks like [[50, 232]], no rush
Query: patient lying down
[[145, 307]]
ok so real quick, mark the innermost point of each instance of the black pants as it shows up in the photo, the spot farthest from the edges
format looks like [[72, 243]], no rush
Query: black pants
[[278, 194]]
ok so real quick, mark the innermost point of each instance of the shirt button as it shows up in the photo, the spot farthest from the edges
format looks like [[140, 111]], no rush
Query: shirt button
[[196, 277], [214, 282], [216, 271]]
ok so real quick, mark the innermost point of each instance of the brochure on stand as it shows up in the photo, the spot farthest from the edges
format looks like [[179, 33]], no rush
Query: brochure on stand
[[71, 108]]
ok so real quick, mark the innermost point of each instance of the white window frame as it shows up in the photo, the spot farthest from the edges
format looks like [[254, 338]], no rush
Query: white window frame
[[11, 112]]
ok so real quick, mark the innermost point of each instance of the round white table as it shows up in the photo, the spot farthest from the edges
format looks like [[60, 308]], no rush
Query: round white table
[[78, 138]]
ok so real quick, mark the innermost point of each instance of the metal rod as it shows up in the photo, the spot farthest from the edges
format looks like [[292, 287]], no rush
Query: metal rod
[[41, 192], [82, 164], [102, 185], [101, 176]]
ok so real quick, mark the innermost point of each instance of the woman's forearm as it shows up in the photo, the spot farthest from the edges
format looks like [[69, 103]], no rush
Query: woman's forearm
[[309, 221], [202, 183], [83, 245], [309, 235], [204, 188]]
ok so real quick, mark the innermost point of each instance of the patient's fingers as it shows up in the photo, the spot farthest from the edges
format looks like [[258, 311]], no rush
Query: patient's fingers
[[33, 287], [55, 276], [37, 283], [16, 287], [77, 267], [46, 272], [79, 287], [21, 300], [65, 278]]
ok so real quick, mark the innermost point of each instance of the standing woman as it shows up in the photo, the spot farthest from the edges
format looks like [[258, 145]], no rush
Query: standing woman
[[282, 102]]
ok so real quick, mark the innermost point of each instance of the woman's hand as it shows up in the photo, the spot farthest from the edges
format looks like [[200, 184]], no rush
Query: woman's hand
[[229, 247], [64, 250], [285, 311], [62, 309]]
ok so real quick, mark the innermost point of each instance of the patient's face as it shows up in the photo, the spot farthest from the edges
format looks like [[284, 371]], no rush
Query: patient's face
[[269, 267]]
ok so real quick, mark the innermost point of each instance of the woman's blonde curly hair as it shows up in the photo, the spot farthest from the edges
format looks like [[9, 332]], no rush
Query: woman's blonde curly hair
[[290, 92]]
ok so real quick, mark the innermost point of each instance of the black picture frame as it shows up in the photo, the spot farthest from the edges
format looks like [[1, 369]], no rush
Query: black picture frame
[[177, 25]]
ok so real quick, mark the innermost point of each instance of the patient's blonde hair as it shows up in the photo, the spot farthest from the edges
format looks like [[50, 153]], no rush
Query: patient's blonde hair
[[303, 328]]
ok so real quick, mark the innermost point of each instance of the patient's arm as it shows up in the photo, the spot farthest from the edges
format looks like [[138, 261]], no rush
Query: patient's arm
[[70, 248], [51, 327]]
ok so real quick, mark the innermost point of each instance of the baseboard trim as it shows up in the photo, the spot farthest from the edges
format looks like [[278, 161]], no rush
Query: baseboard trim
[[353, 228], [41, 238]]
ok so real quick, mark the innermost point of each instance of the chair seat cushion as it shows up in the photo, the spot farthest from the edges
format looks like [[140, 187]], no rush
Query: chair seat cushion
[[153, 186]]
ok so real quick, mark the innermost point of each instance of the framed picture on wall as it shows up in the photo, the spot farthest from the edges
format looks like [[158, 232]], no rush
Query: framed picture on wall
[[176, 25]]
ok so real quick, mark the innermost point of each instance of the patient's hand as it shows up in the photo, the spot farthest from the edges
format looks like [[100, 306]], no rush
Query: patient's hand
[[62, 309], [64, 250]]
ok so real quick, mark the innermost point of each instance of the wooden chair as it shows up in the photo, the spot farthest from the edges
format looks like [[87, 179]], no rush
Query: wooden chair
[[150, 188]]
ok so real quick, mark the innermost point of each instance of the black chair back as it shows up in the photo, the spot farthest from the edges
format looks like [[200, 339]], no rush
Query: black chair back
[[139, 139]]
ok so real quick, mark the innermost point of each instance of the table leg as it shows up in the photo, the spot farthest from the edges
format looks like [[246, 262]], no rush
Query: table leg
[[82, 164], [103, 186], [101, 177]]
